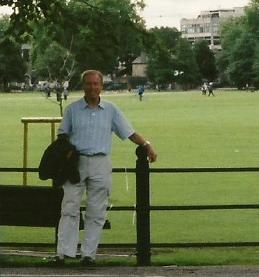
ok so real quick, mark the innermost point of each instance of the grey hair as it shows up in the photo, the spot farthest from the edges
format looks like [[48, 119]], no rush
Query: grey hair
[[91, 72]]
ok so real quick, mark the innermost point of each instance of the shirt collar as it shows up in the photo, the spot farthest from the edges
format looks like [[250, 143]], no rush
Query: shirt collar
[[84, 104]]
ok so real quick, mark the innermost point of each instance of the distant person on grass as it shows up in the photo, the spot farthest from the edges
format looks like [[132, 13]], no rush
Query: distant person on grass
[[210, 89], [204, 89], [141, 90], [47, 90], [88, 124], [65, 93], [59, 91], [65, 90]]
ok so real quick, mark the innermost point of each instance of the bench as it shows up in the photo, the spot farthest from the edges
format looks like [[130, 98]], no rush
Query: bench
[[33, 206]]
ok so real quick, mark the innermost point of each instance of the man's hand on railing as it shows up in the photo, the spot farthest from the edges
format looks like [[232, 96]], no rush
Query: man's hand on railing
[[151, 153], [138, 139]]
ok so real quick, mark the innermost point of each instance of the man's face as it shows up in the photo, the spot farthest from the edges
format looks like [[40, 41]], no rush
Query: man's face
[[92, 85]]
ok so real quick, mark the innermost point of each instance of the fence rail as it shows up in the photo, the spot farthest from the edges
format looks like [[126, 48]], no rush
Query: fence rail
[[143, 207], [154, 170]]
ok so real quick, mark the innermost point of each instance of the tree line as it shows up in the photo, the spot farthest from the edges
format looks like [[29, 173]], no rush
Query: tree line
[[238, 62], [67, 37]]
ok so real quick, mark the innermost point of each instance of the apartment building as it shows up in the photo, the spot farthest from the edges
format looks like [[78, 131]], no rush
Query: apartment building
[[207, 25]]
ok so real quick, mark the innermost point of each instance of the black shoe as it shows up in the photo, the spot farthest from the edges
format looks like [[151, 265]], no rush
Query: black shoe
[[88, 261], [55, 261]]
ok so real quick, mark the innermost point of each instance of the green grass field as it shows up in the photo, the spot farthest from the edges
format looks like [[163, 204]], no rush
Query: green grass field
[[187, 130]]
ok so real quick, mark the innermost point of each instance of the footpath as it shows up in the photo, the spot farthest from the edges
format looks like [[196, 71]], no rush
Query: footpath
[[123, 271], [208, 271]]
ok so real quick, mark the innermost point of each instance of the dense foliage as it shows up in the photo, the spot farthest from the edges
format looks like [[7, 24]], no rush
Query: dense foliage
[[12, 65], [206, 60], [238, 61], [70, 36], [67, 37]]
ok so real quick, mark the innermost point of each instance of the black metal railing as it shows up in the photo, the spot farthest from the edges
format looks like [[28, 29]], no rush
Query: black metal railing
[[143, 207]]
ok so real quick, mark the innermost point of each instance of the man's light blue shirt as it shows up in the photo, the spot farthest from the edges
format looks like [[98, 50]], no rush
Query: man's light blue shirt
[[90, 130]]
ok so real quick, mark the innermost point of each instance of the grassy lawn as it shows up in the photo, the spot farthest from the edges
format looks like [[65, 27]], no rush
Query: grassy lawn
[[187, 130]]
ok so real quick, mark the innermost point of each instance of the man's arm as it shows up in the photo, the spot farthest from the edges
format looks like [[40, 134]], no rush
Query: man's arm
[[139, 140]]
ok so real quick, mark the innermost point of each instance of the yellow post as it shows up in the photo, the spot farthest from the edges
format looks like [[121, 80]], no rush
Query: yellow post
[[53, 131], [25, 151], [26, 121]]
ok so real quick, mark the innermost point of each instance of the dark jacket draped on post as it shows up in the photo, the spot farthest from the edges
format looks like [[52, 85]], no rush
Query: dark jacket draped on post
[[60, 162]]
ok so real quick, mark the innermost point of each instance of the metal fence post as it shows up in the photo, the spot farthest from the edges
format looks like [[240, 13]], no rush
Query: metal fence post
[[142, 207]]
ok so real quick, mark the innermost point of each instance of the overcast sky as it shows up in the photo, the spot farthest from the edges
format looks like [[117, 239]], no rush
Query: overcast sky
[[170, 12]]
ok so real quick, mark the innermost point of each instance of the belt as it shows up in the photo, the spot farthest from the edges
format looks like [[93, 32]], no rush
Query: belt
[[92, 155]]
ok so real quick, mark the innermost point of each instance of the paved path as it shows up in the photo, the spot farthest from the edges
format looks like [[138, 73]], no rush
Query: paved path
[[210, 271], [123, 271]]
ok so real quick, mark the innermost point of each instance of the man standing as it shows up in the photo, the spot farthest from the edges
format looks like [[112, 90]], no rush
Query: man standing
[[88, 124]]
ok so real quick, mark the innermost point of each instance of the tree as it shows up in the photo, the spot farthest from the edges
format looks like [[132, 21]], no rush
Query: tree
[[161, 67], [256, 66], [237, 42], [104, 33], [12, 66], [187, 65], [205, 60], [240, 38], [114, 34], [240, 67], [222, 64], [4, 24], [252, 17], [171, 59], [26, 11], [161, 55], [55, 63], [50, 59]]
